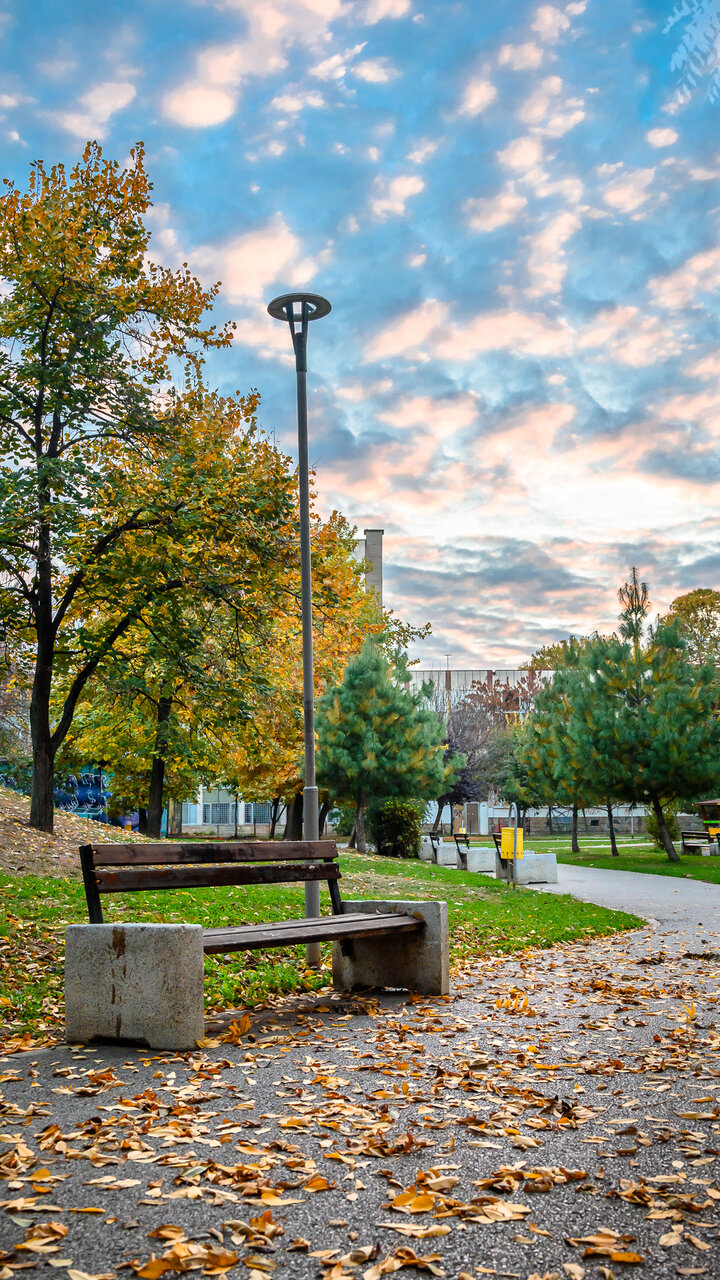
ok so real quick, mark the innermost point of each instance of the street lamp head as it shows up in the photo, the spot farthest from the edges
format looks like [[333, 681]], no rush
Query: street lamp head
[[284, 307], [298, 309]]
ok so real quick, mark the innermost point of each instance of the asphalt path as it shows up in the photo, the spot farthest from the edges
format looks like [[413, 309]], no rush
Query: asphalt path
[[597, 1063], [667, 900]]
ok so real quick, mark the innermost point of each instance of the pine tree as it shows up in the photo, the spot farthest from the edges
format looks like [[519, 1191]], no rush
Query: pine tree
[[376, 738], [639, 719]]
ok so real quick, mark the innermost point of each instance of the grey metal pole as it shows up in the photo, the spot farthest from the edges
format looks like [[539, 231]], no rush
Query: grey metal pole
[[312, 307], [311, 830]]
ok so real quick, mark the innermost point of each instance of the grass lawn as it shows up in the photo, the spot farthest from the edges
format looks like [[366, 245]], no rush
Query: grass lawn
[[485, 917], [635, 855]]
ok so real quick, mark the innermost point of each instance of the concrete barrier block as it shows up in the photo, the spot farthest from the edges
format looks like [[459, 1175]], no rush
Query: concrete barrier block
[[141, 982], [426, 849], [536, 868], [481, 860], [447, 854], [412, 961]]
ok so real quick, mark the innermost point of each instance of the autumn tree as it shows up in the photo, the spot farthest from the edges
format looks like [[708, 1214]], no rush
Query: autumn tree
[[697, 615], [159, 709], [376, 738], [263, 759], [114, 489]]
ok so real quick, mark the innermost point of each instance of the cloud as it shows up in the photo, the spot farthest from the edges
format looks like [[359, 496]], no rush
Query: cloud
[[622, 333], [478, 95], [522, 153], [549, 116], [390, 195], [489, 213], [291, 104], [549, 23], [628, 191], [408, 332], [442, 417], [520, 57], [422, 151], [249, 264], [661, 137], [359, 391], [211, 94], [700, 274], [519, 332], [377, 10], [336, 66], [546, 262], [707, 367], [96, 108], [375, 70]]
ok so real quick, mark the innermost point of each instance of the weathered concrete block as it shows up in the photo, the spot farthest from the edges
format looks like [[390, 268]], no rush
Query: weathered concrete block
[[426, 849], [481, 860], [537, 868], [413, 961], [135, 982], [447, 854]]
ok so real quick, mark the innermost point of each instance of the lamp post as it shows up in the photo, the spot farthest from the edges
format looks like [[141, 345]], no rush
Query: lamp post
[[297, 309]]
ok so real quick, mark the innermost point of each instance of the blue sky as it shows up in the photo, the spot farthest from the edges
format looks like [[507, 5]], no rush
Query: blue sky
[[513, 209]]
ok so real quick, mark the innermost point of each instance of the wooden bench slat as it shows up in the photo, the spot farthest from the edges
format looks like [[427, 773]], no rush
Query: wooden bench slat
[[320, 929], [198, 877], [136, 855]]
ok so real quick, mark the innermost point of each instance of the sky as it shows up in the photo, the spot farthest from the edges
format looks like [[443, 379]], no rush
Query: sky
[[513, 209]]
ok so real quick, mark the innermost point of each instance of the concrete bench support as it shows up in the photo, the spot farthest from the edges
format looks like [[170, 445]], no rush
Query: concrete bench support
[[141, 982], [535, 868], [413, 961], [447, 855], [426, 849], [481, 860]]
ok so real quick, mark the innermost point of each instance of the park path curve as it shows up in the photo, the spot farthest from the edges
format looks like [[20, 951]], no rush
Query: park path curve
[[669, 900]]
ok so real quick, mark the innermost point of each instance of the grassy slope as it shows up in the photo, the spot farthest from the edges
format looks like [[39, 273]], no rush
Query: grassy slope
[[485, 917]]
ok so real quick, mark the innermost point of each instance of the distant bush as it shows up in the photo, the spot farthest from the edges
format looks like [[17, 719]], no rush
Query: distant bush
[[671, 812], [394, 827]]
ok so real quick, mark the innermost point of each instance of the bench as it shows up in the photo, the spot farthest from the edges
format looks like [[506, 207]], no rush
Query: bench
[[129, 868], [145, 981], [462, 838], [694, 841]]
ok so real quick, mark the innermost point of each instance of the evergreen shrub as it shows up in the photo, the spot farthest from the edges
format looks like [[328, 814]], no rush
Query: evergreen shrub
[[394, 827]]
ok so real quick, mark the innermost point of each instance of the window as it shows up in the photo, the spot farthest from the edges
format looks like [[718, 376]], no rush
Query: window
[[217, 814]]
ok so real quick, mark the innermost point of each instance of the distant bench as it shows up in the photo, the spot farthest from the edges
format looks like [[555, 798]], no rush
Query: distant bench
[[694, 841]]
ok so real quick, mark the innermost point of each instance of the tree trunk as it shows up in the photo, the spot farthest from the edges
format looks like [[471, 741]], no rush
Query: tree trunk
[[664, 833], [274, 812], [611, 829], [325, 808], [575, 845], [42, 806], [438, 816], [42, 802], [294, 821], [549, 820], [174, 825], [360, 825], [157, 772], [352, 838]]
